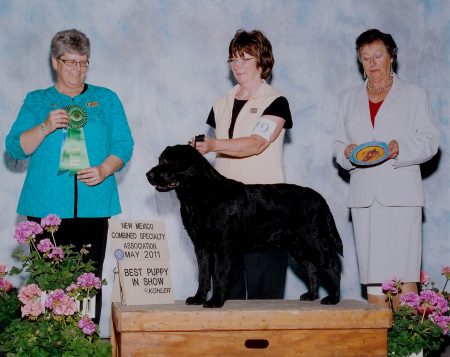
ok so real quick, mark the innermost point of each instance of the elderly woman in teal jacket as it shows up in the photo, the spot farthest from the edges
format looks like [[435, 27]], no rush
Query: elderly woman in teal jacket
[[76, 137]]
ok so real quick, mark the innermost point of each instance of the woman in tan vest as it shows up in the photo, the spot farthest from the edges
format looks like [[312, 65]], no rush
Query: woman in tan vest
[[250, 123]]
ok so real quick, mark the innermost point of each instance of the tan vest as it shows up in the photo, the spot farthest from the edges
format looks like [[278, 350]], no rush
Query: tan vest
[[266, 167]]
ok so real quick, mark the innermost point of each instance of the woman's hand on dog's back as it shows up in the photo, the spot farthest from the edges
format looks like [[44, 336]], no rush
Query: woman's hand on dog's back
[[236, 147]]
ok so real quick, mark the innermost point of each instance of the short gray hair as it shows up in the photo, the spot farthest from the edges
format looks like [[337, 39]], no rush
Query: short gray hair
[[72, 41]]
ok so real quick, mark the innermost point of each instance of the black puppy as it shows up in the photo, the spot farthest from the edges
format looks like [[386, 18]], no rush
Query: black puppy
[[224, 217]]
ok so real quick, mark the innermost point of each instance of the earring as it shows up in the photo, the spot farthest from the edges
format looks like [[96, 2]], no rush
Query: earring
[[392, 71], [365, 75]]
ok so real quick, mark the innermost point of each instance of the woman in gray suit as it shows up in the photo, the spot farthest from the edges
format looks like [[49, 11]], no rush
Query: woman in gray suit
[[386, 199]]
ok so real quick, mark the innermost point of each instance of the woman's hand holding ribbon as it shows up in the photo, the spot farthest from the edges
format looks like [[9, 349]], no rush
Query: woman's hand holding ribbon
[[95, 175], [92, 176], [56, 119]]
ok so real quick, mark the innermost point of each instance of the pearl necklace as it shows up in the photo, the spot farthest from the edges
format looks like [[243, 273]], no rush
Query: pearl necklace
[[381, 89]]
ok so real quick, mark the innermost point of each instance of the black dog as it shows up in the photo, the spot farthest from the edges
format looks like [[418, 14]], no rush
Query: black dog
[[224, 217]]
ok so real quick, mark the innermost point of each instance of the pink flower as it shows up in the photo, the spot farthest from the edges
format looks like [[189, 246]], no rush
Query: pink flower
[[60, 303], [51, 223], [86, 325], [391, 286], [442, 321], [5, 285], [53, 297], [27, 231], [88, 281], [45, 245], [30, 296], [67, 306], [3, 270], [430, 302], [410, 299], [424, 278], [446, 272], [56, 254], [32, 309], [30, 293], [8, 286], [71, 287]]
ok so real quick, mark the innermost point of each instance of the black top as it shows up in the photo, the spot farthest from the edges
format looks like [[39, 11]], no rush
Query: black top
[[279, 107]]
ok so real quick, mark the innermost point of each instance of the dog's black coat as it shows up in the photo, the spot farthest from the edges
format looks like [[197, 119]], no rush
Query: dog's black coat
[[223, 217]]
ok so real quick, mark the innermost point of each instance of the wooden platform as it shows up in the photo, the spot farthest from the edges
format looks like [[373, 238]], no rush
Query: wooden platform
[[254, 327]]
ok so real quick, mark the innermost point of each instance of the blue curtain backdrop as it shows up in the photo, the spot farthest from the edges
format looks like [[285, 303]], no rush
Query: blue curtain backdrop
[[167, 62]]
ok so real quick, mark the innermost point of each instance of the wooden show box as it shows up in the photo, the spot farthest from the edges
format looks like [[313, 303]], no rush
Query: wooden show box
[[250, 328]]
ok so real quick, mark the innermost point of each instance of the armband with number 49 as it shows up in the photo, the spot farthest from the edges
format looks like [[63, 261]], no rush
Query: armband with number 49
[[265, 128]]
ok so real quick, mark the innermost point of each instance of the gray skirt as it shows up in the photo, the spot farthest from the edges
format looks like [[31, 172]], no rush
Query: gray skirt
[[388, 243]]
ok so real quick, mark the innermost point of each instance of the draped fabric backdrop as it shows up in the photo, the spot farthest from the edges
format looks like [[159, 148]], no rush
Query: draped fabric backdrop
[[167, 62]]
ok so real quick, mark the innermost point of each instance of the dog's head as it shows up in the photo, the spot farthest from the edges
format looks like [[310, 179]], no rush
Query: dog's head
[[176, 166]]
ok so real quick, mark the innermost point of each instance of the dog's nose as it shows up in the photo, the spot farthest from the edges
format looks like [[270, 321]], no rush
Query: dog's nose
[[150, 175]]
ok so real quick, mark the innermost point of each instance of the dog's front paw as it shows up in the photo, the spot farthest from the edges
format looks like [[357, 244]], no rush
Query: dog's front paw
[[309, 296], [329, 300], [195, 300]]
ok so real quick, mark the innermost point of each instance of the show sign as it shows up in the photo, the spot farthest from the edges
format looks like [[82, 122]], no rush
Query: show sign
[[138, 240], [142, 254], [145, 282]]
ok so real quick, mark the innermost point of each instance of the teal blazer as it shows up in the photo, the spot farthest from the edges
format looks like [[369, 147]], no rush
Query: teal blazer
[[106, 132]]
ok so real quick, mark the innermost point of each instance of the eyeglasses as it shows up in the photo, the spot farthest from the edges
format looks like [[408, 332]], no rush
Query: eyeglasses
[[73, 63], [241, 61]]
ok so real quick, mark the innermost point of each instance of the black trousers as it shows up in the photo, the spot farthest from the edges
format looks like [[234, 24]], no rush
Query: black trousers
[[259, 275], [81, 231]]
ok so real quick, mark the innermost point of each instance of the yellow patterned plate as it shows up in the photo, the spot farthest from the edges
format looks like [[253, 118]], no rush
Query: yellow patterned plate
[[371, 153]]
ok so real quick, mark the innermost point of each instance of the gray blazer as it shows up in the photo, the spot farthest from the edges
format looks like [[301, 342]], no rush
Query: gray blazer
[[405, 116]]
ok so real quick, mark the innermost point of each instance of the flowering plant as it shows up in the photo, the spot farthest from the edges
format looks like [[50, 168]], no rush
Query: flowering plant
[[422, 320], [48, 321], [9, 302]]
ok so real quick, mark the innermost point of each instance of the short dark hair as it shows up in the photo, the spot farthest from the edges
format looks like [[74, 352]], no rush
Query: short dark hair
[[374, 35], [72, 41], [256, 44]]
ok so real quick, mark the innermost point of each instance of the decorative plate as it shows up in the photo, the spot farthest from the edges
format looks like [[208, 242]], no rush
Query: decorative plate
[[370, 153]]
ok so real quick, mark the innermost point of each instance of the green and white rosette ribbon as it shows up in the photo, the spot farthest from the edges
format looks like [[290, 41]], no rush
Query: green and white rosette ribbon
[[74, 155]]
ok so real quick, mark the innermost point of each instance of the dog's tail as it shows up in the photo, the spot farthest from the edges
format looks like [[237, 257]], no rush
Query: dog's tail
[[334, 234]]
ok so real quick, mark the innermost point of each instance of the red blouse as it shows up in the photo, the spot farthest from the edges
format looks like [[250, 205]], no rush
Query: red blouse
[[373, 107]]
